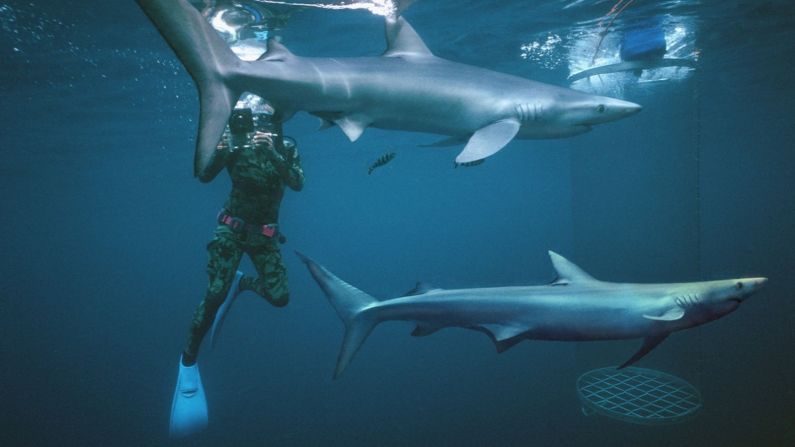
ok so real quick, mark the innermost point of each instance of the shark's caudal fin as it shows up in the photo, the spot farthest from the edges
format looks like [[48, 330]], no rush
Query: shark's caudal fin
[[209, 61], [354, 307]]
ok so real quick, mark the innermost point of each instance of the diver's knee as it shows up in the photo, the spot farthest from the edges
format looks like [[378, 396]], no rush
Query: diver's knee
[[281, 300]]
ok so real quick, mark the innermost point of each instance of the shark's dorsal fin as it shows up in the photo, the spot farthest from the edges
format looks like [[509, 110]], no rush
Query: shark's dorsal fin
[[568, 272], [402, 40], [489, 140], [672, 314], [276, 52], [420, 288]]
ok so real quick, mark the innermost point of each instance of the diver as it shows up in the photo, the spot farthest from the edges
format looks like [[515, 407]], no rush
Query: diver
[[261, 162]]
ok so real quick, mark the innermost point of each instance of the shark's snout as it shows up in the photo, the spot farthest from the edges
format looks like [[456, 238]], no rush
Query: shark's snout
[[746, 287], [630, 108], [618, 108], [601, 109]]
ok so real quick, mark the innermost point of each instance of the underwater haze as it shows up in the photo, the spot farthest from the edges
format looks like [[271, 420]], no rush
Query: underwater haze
[[104, 250]]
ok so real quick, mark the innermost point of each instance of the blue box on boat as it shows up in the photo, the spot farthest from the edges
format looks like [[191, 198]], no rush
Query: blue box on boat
[[643, 43]]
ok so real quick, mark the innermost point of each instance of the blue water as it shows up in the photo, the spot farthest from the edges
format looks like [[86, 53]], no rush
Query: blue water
[[105, 229]]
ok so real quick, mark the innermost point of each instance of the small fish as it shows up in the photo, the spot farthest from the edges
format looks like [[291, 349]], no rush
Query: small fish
[[382, 160], [470, 163]]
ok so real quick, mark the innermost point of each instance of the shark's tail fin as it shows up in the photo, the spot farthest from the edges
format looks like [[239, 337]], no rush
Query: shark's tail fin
[[355, 308], [209, 61]]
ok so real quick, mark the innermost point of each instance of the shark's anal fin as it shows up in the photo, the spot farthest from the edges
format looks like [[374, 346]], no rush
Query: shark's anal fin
[[672, 314], [502, 332], [503, 337], [353, 125], [489, 140], [649, 343]]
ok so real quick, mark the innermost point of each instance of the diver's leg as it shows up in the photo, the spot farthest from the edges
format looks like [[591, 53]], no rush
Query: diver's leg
[[271, 283], [224, 257], [189, 404]]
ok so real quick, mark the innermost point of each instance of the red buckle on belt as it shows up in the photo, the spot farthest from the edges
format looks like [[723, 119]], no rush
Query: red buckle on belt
[[268, 230], [232, 222]]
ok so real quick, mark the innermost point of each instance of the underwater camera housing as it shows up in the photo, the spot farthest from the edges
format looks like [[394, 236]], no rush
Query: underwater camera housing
[[241, 127], [241, 121], [263, 122]]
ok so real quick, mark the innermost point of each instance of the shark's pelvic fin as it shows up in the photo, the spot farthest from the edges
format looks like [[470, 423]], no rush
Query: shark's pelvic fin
[[355, 308], [327, 118], [353, 125], [649, 343], [210, 63], [489, 140], [671, 314], [402, 40], [567, 271]]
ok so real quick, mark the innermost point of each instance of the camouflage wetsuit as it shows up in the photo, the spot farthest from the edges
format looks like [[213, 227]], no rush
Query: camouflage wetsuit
[[259, 174]]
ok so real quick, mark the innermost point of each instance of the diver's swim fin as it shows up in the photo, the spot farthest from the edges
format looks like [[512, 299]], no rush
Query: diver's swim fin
[[189, 406], [234, 291]]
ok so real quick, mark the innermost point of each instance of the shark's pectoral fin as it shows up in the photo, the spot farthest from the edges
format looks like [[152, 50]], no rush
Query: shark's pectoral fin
[[353, 125], [423, 329], [671, 314], [649, 343], [501, 332], [488, 140]]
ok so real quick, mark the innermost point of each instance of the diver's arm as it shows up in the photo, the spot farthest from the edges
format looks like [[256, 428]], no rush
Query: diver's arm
[[286, 161], [220, 156], [294, 174]]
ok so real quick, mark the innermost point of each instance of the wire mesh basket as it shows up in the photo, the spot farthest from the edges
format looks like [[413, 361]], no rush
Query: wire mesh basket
[[637, 395]]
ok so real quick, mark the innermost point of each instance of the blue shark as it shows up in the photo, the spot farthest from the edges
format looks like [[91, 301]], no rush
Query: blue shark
[[406, 88], [573, 307]]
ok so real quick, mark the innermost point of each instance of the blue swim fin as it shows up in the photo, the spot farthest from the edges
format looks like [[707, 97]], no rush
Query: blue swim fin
[[220, 316], [189, 407]]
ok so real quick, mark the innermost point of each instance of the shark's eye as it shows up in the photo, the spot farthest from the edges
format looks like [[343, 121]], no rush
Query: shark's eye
[[739, 286], [600, 108]]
